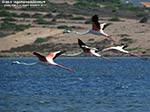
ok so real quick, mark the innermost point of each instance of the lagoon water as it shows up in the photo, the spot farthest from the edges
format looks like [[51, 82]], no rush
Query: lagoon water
[[96, 85]]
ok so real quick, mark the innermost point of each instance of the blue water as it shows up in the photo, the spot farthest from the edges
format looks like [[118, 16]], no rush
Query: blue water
[[97, 85]]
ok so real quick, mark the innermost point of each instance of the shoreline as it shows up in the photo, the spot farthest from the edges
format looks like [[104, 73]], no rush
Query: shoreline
[[29, 54]]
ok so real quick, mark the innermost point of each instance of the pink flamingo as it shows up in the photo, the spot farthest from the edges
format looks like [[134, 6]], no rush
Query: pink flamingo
[[88, 49], [49, 59], [97, 29], [120, 49]]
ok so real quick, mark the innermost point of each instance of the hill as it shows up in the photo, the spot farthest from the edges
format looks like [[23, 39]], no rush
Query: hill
[[41, 29]]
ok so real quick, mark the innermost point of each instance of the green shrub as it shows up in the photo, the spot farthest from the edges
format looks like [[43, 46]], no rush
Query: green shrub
[[114, 10], [143, 20], [77, 18], [88, 22], [133, 49], [25, 15], [142, 14], [91, 39], [7, 26], [86, 4], [126, 40], [65, 27], [128, 6], [54, 20], [37, 15], [42, 21], [22, 27], [64, 16], [40, 40], [124, 35], [114, 19], [13, 27], [8, 19], [7, 14], [49, 15], [28, 33], [5, 8], [3, 34]]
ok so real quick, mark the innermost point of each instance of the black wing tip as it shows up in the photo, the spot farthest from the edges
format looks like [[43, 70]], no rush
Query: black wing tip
[[79, 39], [80, 42], [106, 25], [35, 53], [61, 52]]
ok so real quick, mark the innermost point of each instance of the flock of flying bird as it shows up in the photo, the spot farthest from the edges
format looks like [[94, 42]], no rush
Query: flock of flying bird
[[97, 29]]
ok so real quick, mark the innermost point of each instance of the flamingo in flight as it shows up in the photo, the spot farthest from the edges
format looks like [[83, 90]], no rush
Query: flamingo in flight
[[97, 29], [91, 50], [49, 59], [88, 49], [121, 49]]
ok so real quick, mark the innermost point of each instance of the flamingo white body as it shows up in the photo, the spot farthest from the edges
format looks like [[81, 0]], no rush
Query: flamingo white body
[[88, 49], [91, 50], [122, 50], [49, 59], [117, 49]]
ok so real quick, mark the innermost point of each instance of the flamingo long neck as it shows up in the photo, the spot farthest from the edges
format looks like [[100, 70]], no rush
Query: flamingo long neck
[[23, 63], [80, 33]]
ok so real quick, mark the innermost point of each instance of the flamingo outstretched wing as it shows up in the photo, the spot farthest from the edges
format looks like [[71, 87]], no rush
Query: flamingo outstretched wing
[[88, 49], [41, 57], [53, 55], [104, 25], [81, 43], [58, 53]]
